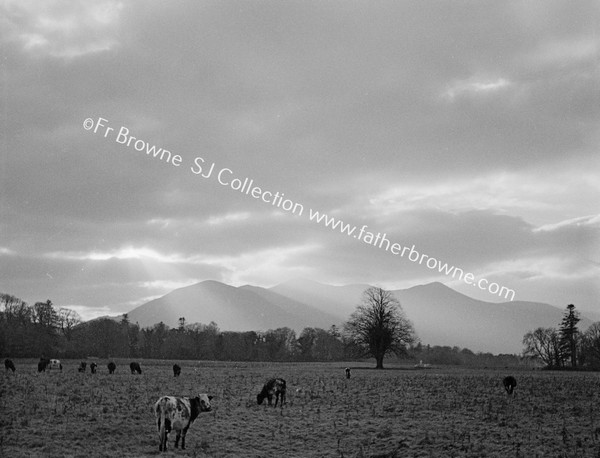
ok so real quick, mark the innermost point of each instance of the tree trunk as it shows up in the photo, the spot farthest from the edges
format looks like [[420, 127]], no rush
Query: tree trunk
[[379, 360]]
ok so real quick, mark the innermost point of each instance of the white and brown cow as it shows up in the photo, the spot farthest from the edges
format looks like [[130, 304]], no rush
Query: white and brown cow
[[275, 386], [49, 364], [178, 413]]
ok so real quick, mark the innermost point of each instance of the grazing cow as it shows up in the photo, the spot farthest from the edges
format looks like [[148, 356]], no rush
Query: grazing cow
[[509, 384], [347, 372], [176, 370], [8, 364], [178, 413], [93, 367], [82, 366], [135, 367], [275, 386], [111, 367]]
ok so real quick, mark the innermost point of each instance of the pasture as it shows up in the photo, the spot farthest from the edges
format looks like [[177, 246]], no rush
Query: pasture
[[441, 412]]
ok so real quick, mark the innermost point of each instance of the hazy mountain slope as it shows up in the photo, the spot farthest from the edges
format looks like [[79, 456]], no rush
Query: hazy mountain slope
[[299, 309], [233, 309], [442, 316], [337, 300]]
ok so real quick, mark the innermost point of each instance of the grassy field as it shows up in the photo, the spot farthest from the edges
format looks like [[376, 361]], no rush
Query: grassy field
[[440, 412]]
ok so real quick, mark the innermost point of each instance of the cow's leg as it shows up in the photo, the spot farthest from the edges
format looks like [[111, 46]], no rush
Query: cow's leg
[[161, 437], [183, 437], [167, 431], [270, 399], [161, 442], [177, 438], [276, 399]]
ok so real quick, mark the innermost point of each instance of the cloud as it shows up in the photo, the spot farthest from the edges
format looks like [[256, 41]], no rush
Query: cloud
[[476, 86], [63, 29]]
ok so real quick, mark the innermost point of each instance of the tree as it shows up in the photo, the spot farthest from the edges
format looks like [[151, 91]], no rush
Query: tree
[[590, 346], [544, 343], [306, 343], [45, 323], [280, 344], [569, 334], [67, 320], [378, 326]]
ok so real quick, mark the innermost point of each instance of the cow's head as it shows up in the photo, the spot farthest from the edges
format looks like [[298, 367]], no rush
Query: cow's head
[[200, 403], [205, 402]]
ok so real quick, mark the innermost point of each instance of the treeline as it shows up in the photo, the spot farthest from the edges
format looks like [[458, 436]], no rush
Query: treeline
[[42, 329], [565, 347]]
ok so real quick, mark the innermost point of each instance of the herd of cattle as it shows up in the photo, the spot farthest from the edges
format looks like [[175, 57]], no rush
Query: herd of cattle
[[178, 413], [49, 364]]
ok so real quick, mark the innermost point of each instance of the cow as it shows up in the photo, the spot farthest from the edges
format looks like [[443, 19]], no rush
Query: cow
[[509, 384], [111, 367], [178, 413], [275, 386], [176, 370], [43, 364], [8, 364], [55, 364], [82, 366], [93, 367], [135, 368], [347, 372]]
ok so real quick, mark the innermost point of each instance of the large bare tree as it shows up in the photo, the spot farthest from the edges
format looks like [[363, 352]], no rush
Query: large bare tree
[[545, 344], [378, 326]]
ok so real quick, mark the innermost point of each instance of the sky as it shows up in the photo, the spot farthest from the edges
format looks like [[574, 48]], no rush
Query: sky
[[465, 131]]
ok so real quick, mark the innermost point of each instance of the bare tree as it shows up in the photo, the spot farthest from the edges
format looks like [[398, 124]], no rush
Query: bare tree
[[67, 320], [590, 345], [378, 326], [545, 344]]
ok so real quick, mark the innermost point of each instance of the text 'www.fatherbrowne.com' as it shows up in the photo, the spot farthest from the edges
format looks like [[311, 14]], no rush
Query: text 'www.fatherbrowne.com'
[[380, 240]]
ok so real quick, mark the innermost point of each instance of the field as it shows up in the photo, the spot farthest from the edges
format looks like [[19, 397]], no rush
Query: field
[[401, 412]]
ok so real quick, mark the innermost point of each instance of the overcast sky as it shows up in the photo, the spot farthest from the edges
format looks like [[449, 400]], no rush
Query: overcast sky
[[469, 129]]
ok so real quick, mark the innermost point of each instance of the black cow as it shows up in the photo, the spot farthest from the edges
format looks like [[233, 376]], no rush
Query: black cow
[[275, 386], [347, 372], [82, 366], [135, 368], [509, 384], [93, 367], [8, 364], [178, 413], [43, 364], [176, 370], [111, 367]]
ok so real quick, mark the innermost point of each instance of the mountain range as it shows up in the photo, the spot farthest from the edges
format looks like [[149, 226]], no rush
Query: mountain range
[[440, 315]]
